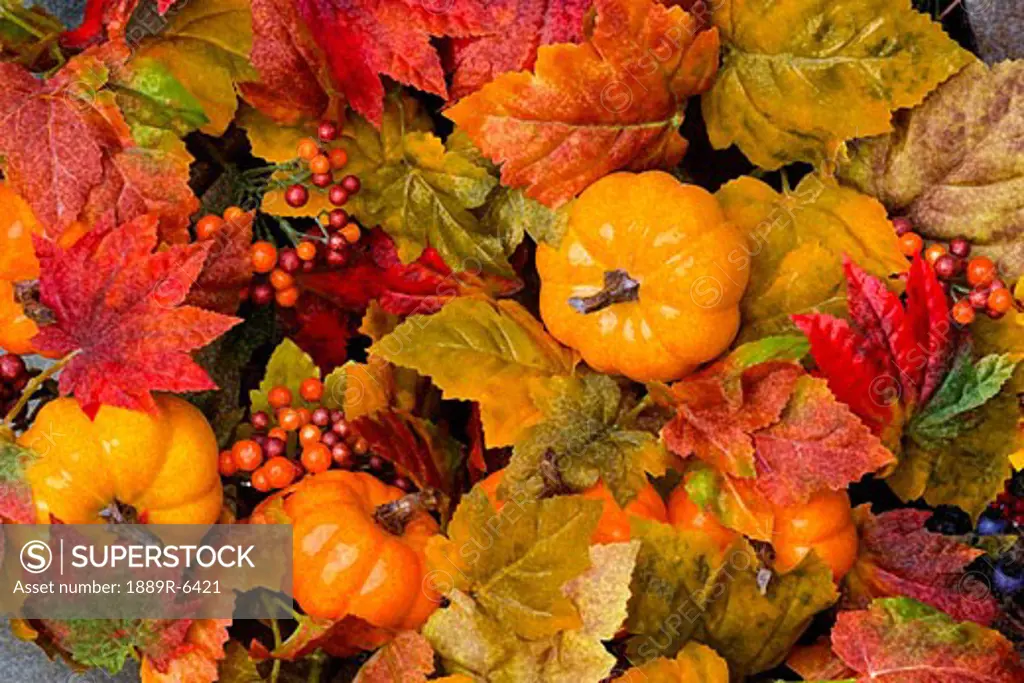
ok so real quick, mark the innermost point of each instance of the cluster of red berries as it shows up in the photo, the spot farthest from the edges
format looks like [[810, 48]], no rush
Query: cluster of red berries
[[14, 376], [974, 282], [322, 437], [323, 165], [326, 246]]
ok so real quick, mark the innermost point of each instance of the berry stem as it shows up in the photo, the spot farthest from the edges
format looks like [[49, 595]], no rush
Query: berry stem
[[34, 384], [619, 288]]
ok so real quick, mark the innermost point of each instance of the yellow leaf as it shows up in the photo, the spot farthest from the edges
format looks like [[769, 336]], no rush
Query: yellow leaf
[[206, 47], [800, 77], [795, 247], [271, 140], [492, 352], [695, 662]]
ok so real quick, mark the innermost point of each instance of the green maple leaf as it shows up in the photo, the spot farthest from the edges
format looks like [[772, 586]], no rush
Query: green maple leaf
[[582, 436]]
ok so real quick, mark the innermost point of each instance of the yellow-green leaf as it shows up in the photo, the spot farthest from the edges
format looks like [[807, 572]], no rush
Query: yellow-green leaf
[[206, 47], [796, 241], [288, 367], [800, 77], [477, 350]]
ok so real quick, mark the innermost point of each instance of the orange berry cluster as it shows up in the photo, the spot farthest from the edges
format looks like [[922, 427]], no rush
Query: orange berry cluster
[[322, 437], [973, 282], [323, 164], [211, 224]]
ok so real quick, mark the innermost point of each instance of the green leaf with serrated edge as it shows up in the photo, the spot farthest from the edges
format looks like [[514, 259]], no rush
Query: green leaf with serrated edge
[[684, 588], [288, 367], [518, 580], [108, 643], [334, 388], [836, 72], [675, 574], [237, 666], [495, 353], [953, 166], [154, 102], [967, 387], [796, 242], [511, 215], [582, 438]]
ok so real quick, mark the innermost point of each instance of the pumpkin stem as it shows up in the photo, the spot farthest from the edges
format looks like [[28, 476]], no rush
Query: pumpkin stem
[[619, 288], [395, 515], [26, 293], [120, 513]]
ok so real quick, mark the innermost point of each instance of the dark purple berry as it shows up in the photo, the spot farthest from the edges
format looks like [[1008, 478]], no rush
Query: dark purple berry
[[995, 315], [351, 184], [341, 428], [376, 462], [296, 196], [12, 367], [288, 260], [274, 448], [262, 294], [960, 247], [337, 416], [991, 526], [261, 440], [321, 179], [330, 439], [996, 284], [978, 299], [308, 266], [402, 483], [945, 266], [902, 225], [336, 242], [260, 420], [341, 453], [321, 417]]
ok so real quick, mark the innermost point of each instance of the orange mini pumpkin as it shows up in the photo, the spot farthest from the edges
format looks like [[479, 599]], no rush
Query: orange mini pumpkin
[[683, 513], [345, 562], [825, 525], [613, 526], [647, 279], [162, 465]]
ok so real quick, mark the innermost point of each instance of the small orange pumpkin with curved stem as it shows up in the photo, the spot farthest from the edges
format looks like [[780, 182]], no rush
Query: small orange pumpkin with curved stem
[[647, 279], [346, 561], [825, 525], [159, 468], [613, 526]]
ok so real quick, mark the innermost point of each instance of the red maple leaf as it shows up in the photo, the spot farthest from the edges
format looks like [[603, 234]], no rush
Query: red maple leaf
[[364, 39], [117, 306], [522, 26], [290, 65], [227, 269], [899, 556], [375, 272], [71, 156], [891, 357]]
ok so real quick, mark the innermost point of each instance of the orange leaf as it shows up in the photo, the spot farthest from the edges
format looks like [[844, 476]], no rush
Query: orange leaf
[[408, 658], [615, 101]]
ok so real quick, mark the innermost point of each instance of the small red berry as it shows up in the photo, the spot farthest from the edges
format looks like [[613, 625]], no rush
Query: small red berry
[[262, 257], [902, 225], [280, 472], [296, 196], [226, 464], [311, 389], [337, 195], [12, 367], [307, 148], [208, 225], [306, 251], [1000, 300], [262, 294], [320, 164], [327, 131], [911, 244], [247, 454], [997, 284], [275, 447], [958, 246], [259, 481], [337, 218], [341, 454], [351, 184], [945, 266], [259, 420], [351, 233], [978, 299], [316, 458], [329, 439], [338, 157], [981, 271], [402, 483], [341, 427], [287, 298], [321, 179], [933, 252], [321, 417], [289, 260], [336, 259], [336, 242]]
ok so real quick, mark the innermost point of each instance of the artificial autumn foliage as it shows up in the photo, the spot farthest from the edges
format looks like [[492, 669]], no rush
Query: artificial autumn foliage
[[558, 372]]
